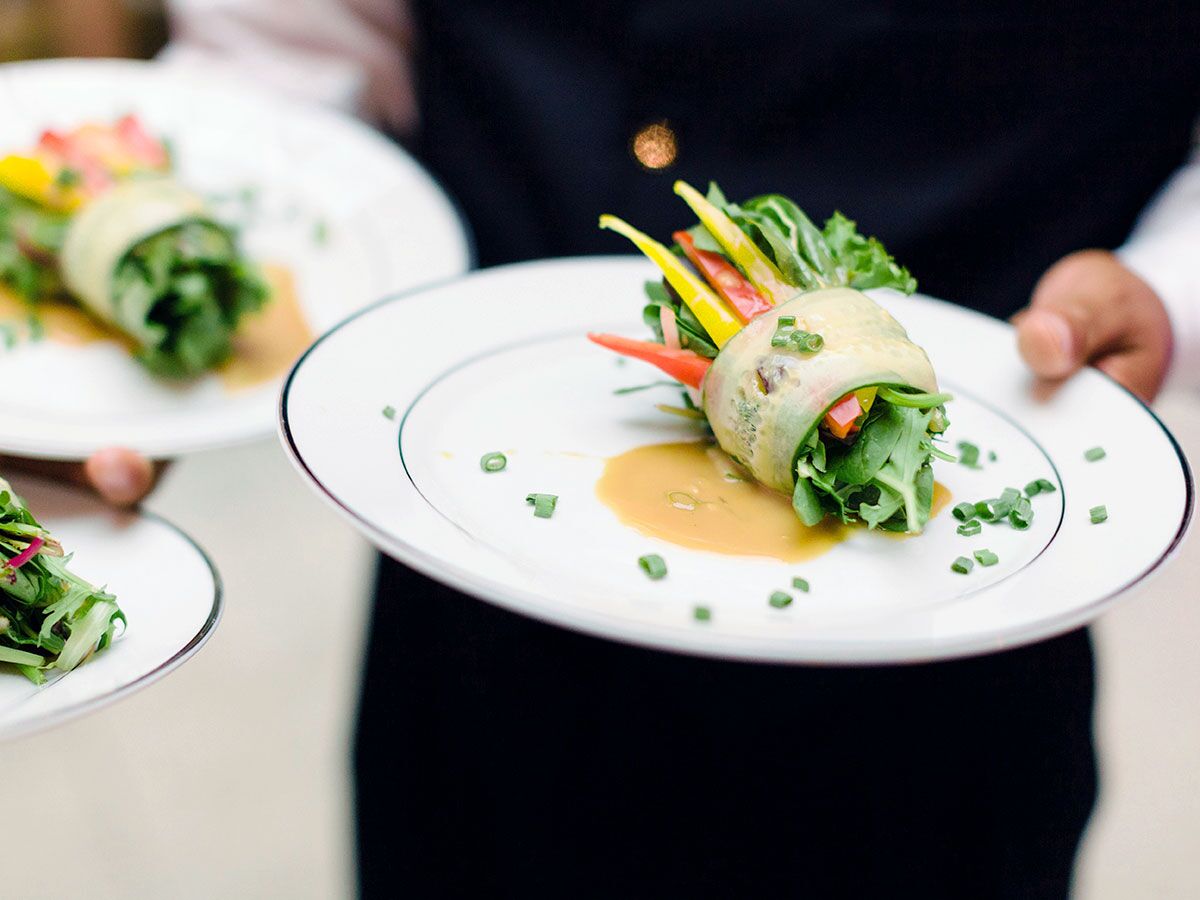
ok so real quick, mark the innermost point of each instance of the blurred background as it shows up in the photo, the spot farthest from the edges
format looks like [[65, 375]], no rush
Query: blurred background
[[230, 778]]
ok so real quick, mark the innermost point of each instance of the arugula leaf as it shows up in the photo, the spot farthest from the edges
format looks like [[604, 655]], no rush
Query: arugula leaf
[[806, 503], [874, 446], [901, 471], [866, 262], [803, 237]]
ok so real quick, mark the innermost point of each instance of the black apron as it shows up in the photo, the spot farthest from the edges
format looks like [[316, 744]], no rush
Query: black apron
[[501, 757]]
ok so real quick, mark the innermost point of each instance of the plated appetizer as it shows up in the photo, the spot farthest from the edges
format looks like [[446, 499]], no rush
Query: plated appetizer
[[94, 215], [806, 382], [49, 617]]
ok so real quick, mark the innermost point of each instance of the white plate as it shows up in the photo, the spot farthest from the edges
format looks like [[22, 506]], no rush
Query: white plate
[[498, 361], [164, 583], [389, 228]]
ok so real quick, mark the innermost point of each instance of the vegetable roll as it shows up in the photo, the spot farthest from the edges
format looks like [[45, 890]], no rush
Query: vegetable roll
[[95, 215], [807, 382]]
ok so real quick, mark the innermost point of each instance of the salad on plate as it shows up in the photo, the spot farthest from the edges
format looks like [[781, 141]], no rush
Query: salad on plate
[[50, 618]]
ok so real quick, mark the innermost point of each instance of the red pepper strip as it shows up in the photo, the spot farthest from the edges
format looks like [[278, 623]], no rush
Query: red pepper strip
[[739, 293], [25, 555], [840, 421], [682, 365]]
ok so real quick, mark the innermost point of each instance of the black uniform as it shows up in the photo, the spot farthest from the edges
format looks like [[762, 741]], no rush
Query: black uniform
[[501, 757]]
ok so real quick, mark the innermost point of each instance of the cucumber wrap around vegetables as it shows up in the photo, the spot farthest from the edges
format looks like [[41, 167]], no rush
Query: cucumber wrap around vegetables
[[145, 258], [806, 381], [763, 402]]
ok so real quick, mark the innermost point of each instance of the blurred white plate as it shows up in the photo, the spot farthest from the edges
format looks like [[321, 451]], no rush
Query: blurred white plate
[[165, 584], [387, 227], [498, 361]]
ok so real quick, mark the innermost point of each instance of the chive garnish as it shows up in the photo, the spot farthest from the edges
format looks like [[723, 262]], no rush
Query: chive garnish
[[1095, 454], [789, 321], [389, 412], [992, 456], [970, 529], [962, 566], [701, 613], [653, 565], [968, 454], [964, 512], [986, 557], [779, 599], [1033, 488], [1047, 486], [543, 504], [493, 462], [800, 584], [1098, 514], [992, 510]]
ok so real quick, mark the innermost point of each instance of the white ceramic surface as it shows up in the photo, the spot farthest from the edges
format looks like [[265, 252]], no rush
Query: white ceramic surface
[[498, 361], [164, 583], [387, 227]]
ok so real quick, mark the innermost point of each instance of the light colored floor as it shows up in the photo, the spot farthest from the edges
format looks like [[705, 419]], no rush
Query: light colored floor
[[228, 779]]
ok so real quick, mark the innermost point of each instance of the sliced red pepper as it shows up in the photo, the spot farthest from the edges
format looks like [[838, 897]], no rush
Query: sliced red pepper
[[739, 293], [841, 420], [682, 365]]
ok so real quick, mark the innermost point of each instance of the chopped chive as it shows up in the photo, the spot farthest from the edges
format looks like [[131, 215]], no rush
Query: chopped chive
[[807, 342], [493, 462], [800, 584], [784, 326], [970, 529], [389, 412], [1019, 522], [543, 504], [1033, 488], [1047, 486], [968, 454], [964, 512], [653, 565], [779, 599], [986, 557], [1098, 514], [1010, 496], [962, 566], [992, 456], [1095, 454], [701, 613], [992, 510]]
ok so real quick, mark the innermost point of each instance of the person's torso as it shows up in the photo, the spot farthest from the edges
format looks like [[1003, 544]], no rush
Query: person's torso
[[979, 141]]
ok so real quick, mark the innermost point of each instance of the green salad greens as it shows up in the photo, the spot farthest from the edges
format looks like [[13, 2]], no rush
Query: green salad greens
[[181, 294], [49, 617]]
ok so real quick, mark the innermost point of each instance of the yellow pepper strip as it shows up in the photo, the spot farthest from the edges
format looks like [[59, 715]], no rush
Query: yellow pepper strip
[[26, 176], [30, 177], [866, 398], [755, 264], [717, 319]]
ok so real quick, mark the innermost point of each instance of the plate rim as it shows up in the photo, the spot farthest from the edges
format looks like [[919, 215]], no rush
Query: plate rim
[[144, 69], [186, 652], [526, 603]]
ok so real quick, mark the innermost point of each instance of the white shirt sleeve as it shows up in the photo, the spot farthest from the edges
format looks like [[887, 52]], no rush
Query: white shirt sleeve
[[1164, 251], [352, 54]]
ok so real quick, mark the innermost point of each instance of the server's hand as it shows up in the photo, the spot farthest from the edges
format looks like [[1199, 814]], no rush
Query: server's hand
[[121, 477], [1088, 309]]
